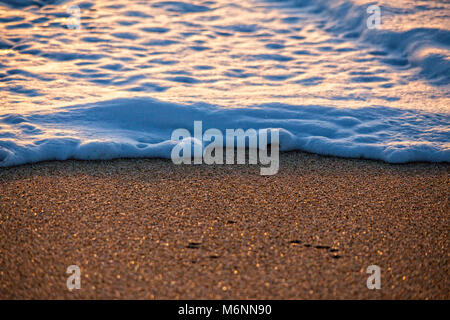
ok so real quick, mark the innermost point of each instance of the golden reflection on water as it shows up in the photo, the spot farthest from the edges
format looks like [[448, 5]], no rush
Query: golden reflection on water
[[232, 53]]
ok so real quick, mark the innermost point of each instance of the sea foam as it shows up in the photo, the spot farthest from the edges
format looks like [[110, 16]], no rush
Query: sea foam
[[142, 127]]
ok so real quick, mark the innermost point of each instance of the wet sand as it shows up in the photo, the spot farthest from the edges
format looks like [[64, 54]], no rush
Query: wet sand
[[151, 229]]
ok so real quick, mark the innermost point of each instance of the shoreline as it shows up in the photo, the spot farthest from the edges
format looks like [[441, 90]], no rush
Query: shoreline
[[149, 229], [281, 153]]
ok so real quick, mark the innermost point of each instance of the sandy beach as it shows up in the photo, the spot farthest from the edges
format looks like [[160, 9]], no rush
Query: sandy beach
[[151, 229]]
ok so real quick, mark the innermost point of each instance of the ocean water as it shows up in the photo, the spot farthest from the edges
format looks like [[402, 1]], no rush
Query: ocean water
[[137, 70]]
